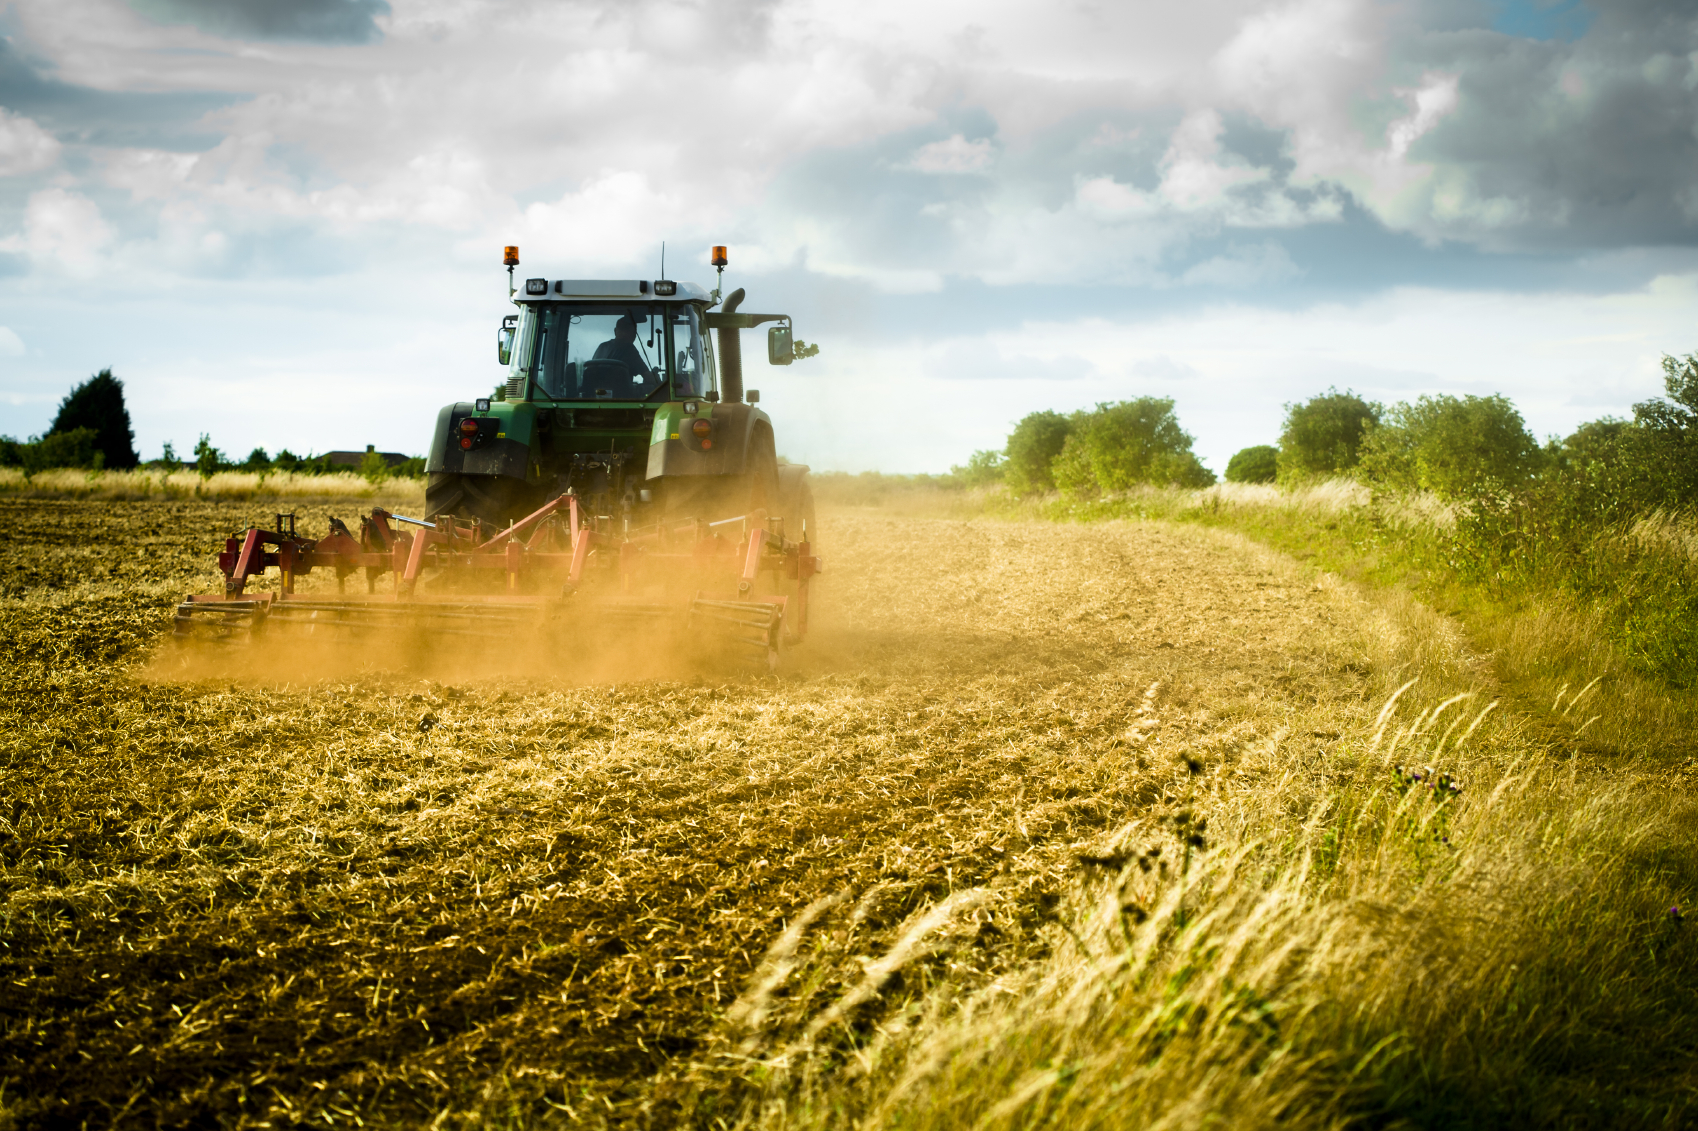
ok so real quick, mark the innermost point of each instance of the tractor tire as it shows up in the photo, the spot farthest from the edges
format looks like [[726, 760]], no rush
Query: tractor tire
[[796, 503], [494, 500], [808, 529]]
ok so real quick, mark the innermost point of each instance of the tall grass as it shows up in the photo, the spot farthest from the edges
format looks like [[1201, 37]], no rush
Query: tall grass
[[1433, 919], [144, 483]]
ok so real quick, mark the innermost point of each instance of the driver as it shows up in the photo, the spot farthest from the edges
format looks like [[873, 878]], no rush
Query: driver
[[622, 348]]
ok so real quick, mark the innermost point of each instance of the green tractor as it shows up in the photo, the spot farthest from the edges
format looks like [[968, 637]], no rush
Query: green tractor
[[616, 394], [620, 474]]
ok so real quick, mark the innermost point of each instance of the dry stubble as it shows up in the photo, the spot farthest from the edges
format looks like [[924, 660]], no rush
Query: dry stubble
[[400, 893]]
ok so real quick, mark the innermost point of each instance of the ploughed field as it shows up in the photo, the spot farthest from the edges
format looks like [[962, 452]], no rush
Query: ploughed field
[[313, 889]]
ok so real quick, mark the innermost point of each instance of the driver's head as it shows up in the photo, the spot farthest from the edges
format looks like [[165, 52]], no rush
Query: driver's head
[[625, 330]]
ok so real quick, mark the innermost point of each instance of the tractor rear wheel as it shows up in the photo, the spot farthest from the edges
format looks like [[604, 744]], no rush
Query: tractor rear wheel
[[494, 500]]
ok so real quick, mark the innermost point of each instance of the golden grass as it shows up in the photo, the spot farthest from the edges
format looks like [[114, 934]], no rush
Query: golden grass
[[903, 884], [144, 483]]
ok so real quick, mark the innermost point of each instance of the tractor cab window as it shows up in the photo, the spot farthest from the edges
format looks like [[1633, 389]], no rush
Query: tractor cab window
[[600, 353], [692, 372], [585, 352]]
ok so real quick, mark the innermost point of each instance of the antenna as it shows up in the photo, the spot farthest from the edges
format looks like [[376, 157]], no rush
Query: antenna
[[663, 259]]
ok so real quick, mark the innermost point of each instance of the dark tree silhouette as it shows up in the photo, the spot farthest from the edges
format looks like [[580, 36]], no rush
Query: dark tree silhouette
[[98, 403]]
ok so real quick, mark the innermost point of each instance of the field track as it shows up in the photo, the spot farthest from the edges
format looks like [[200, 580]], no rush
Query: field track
[[390, 892]]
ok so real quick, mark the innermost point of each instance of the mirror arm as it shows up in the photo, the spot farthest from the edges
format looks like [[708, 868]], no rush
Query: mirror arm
[[713, 321]]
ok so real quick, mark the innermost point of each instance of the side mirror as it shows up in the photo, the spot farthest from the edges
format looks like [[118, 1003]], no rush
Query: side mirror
[[779, 348], [504, 339]]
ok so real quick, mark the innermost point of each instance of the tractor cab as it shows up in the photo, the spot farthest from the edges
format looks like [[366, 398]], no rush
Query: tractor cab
[[580, 341], [616, 393]]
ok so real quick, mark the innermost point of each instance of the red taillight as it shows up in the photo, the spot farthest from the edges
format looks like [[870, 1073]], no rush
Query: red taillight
[[701, 428], [466, 443], [468, 427], [706, 444]]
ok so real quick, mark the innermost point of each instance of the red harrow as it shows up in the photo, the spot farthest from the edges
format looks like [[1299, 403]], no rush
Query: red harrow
[[564, 571]]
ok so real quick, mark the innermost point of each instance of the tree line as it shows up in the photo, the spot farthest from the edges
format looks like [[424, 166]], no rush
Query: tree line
[[1602, 514], [92, 430], [1459, 448]]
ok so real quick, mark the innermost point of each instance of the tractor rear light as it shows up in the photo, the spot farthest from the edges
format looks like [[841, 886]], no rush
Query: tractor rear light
[[468, 427], [706, 445], [465, 443], [701, 427]]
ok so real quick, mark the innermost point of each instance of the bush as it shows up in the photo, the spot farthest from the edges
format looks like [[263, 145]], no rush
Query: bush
[[75, 448], [1456, 448], [1124, 444], [98, 405], [373, 468], [1323, 435], [1031, 452], [208, 459], [982, 469], [1259, 464], [257, 460]]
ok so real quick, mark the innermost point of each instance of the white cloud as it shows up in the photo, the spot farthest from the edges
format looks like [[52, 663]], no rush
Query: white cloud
[[1194, 177], [24, 146], [954, 154], [64, 232], [10, 344]]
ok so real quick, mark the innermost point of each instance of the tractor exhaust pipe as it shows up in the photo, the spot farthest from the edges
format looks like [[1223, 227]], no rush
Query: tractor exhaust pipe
[[731, 353]]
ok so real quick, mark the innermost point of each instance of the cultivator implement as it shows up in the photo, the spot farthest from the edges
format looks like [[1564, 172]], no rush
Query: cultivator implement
[[736, 586]]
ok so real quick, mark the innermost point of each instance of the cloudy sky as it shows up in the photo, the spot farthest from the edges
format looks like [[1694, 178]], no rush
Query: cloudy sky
[[280, 221]]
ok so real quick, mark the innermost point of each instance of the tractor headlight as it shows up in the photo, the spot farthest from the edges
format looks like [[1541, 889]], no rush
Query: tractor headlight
[[536, 286]]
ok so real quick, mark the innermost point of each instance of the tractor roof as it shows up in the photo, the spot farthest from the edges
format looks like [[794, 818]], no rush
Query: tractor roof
[[606, 290]]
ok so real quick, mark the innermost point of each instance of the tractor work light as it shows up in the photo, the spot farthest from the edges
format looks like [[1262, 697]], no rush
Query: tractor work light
[[536, 286], [665, 287], [510, 255], [719, 257]]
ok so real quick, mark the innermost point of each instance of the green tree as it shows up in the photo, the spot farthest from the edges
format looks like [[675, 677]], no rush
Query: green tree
[[168, 457], [98, 404], [1031, 451], [1323, 435], [208, 459], [286, 460], [1665, 450], [982, 469], [1454, 447], [257, 460], [1125, 443], [373, 468], [1259, 464], [75, 448]]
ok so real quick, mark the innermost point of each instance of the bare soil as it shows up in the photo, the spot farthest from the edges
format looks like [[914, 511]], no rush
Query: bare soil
[[275, 897]]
